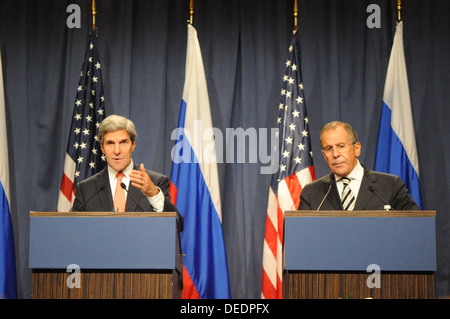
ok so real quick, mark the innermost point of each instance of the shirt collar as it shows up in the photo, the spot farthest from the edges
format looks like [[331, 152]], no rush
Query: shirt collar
[[113, 173], [356, 174]]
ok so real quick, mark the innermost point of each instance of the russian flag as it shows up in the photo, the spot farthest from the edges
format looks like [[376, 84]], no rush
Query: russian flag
[[8, 284], [396, 148], [194, 186]]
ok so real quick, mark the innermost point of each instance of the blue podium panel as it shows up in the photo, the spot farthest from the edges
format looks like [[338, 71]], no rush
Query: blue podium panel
[[351, 242], [103, 241]]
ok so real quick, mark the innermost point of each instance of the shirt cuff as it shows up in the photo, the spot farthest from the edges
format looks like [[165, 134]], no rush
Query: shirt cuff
[[157, 201]]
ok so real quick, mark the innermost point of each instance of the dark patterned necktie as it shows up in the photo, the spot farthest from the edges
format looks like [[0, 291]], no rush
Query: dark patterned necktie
[[348, 199]]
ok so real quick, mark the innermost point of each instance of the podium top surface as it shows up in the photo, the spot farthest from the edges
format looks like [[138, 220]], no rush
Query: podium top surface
[[102, 214], [360, 213]]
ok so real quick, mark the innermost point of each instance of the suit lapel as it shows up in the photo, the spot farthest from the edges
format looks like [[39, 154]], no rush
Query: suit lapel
[[105, 195], [133, 192], [333, 197], [364, 194]]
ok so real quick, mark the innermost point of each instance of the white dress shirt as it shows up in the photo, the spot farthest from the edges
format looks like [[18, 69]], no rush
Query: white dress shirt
[[355, 176], [156, 201]]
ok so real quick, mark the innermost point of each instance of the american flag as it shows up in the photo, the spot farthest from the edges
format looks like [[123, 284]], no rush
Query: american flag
[[84, 156], [295, 170]]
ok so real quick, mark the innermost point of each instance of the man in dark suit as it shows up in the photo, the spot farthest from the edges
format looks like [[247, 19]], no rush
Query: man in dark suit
[[145, 190], [350, 185]]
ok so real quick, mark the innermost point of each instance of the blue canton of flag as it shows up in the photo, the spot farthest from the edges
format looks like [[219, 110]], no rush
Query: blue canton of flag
[[84, 156], [295, 170]]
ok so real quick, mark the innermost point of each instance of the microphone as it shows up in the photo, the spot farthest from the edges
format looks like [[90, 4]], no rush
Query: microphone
[[95, 193], [125, 188], [326, 195], [386, 206]]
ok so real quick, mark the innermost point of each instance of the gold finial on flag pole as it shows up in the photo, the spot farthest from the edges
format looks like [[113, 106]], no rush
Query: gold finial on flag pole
[[295, 16], [191, 12], [399, 10], [94, 13]]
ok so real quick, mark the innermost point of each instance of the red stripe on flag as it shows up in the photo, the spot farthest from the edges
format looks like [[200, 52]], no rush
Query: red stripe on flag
[[67, 187], [280, 220], [295, 188], [269, 291], [279, 287], [271, 236], [173, 193], [312, 172], [189, 291]]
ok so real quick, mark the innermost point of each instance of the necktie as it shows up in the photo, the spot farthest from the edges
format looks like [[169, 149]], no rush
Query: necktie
[[119, 194], [348, 199]]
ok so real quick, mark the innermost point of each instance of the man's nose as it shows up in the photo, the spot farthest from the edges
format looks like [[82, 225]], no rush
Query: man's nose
[[336, 152]]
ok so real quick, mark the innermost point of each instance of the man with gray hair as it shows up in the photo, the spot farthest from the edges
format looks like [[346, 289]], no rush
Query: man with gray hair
[[122, 186], [351, 186]]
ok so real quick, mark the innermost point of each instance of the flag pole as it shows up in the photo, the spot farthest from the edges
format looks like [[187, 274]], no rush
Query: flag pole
[[94, 13], [191, 12], [295, 16], [399, 10]]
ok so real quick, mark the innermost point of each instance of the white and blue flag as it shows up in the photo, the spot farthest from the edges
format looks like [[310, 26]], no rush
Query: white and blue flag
[[8, 284], [396, 148], [194, 187]]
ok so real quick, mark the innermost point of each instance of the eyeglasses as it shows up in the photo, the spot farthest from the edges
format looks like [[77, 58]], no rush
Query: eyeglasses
[[339, 147]]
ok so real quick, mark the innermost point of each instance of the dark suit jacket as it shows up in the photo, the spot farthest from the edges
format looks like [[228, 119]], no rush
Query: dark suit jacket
[[389, 187], [89, 198]]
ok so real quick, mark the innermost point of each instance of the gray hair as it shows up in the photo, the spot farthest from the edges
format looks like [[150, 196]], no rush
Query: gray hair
[[334, 124], [115, 123]]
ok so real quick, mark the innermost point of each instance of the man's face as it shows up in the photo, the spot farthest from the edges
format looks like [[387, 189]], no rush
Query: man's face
[[339, 152], [117, 147]]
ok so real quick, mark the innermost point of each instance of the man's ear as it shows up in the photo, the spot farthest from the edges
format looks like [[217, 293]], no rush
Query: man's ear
[[357, 149]]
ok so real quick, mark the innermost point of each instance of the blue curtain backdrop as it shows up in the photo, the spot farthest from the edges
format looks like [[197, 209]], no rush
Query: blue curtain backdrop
[[244, 45]]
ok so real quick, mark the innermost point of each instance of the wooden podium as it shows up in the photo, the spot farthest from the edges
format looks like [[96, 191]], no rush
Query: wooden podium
[[340, 254], [118, 255]]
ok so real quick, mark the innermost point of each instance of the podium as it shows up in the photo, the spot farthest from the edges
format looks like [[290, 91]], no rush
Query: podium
[[359, 254], [105, 255]]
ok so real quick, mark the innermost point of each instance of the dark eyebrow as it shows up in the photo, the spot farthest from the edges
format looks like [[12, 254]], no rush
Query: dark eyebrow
[[121, 141]]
